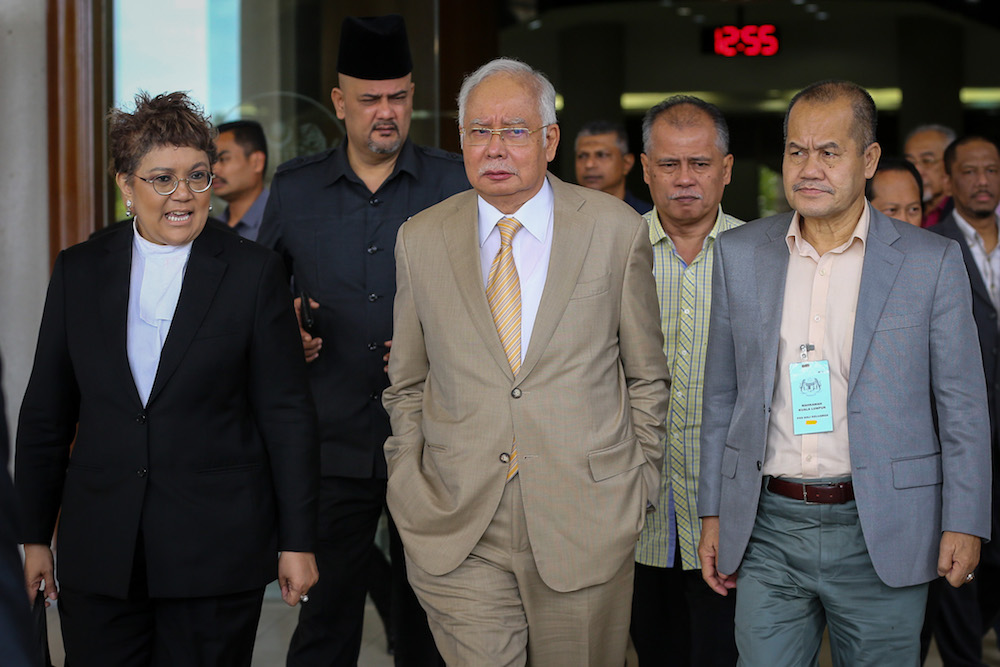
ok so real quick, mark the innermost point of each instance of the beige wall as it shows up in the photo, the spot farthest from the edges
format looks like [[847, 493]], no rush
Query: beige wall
[[24, 263]]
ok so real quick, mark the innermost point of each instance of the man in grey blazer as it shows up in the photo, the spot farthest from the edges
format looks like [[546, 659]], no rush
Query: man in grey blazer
[[826, 489], [525, 442]]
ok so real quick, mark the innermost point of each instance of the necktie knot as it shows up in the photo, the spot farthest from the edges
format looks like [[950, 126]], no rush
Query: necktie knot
[[508, 227]]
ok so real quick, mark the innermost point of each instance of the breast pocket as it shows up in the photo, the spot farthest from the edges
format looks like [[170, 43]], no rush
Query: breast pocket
[[906, 321], [590, 288]]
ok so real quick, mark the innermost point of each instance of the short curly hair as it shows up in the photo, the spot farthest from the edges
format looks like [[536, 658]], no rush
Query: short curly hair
[[170, 119]]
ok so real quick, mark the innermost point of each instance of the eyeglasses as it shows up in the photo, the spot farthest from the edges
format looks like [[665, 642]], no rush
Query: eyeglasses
[[166, 185], [512, 136]]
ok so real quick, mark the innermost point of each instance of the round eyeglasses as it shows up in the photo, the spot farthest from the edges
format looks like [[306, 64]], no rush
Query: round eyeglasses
[[166, 185]]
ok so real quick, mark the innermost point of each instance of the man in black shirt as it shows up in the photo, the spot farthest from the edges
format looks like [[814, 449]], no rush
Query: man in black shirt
[[334, 217]]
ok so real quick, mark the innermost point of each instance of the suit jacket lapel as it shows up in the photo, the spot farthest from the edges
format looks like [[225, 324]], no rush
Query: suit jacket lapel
[[201, 280], [948, 227], [571, 234], [881, 266], [771, 268], [461, 240], [115, 277]]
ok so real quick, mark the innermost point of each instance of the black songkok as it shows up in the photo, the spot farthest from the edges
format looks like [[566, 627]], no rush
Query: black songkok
[[374, 48]]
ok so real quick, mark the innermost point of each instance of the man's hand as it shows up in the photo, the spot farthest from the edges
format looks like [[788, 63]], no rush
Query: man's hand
[[38, 570], [708, 553], [958, 557], [310, 345], [297, 573], [385, 357]]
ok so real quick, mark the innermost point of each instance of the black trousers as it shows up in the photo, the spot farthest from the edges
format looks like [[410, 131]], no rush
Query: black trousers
[[677, 620], [330, 625], [101, 631], [965, 614]]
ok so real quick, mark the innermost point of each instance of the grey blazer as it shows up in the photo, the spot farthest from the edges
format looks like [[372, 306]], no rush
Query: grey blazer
[[915, 345]]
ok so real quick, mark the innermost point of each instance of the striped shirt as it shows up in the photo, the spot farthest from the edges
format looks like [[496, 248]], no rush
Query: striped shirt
[[685, 293]]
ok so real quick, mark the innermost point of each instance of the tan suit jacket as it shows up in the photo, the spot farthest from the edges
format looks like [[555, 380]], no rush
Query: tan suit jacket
[[587, 406]]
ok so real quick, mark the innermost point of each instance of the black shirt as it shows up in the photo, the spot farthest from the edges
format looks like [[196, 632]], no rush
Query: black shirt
[[337, 238]]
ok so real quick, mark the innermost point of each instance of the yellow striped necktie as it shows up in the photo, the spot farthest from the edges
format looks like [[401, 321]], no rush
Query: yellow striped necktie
[[503, 291]]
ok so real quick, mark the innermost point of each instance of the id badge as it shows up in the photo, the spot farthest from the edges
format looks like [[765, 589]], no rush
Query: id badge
[[812, 402]]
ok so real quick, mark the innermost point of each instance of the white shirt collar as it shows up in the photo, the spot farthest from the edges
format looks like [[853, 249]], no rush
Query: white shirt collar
[[533, 215], [968, 231]]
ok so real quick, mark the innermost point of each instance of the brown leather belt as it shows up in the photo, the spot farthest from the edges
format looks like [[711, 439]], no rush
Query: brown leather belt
[[826, 494]]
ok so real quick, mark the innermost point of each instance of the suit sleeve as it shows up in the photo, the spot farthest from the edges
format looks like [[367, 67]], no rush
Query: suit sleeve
[[15, 625], [960, 395], [284, 411], [719, 397], [408, 368], [641, 349], [47, 423]]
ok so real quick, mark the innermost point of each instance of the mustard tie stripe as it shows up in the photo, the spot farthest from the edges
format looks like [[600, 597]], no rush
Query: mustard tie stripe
[[503, 291]]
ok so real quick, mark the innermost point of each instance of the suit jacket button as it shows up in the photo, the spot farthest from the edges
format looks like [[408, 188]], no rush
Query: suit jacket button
[[140, 418], [758, 465], [141, 472], [373, 297], [505, 458], [516, 392], [372, 249]]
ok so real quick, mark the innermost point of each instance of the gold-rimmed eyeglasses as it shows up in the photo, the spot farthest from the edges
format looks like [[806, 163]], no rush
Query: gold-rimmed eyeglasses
[[512, 136], [166, 185]]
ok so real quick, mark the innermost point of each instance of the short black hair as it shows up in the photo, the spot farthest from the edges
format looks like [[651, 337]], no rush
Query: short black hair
[[950, 152], [596, 127], [894, 164], [712, 111], [249, 134], [831, 90]]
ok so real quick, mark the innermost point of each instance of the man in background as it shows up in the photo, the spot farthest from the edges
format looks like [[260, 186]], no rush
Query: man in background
[[924, 147], [334, 218], [603, 161], [676, 618], [239, 175], [973, 166], [896, 190]]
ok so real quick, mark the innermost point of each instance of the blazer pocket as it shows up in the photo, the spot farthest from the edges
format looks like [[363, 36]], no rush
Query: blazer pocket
[[890, 322], [918, 471], [730, 459], [616, 459], [592, 287]]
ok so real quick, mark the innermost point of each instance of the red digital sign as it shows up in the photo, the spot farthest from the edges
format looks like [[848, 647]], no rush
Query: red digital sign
[[747, 40]]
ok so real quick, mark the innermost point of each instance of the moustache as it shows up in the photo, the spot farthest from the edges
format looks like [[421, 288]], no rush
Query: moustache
[[686, 194], [812, 185], [385, 125], [498, 167]]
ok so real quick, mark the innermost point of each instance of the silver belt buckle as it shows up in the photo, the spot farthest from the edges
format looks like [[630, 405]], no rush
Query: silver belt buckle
[[805, 495]]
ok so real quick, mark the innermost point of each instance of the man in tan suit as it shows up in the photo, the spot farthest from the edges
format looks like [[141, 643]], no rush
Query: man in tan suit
[[528, 394]]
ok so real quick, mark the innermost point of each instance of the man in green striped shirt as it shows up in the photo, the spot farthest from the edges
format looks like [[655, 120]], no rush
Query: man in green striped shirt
[[676, 618]]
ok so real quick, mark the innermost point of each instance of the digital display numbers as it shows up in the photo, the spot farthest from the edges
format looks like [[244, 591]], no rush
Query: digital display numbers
[[748, 40]]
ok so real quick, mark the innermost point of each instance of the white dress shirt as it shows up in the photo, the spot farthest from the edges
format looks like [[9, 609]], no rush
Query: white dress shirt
[[531, 247], [154, 287], [987, 262]]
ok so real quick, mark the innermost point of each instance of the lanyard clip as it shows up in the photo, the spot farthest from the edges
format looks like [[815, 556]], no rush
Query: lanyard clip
[[804, 350]]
